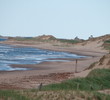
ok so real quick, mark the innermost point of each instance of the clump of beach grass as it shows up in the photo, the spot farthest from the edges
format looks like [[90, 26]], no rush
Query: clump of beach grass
[[97, 79]]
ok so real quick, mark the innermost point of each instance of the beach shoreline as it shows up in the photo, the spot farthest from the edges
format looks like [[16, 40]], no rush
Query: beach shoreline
[[51, 47], [46, 68]]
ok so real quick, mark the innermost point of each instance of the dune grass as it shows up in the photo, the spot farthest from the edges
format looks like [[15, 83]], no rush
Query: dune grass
[[107, 41], [67, 41], [74, 89], [99, 73], [97, 79], [11, 95], [51, 95], [107, 44], [65, 95]]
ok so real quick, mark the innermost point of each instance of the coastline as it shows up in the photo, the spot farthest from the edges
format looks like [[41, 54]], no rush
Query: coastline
[[69, 49], [16, 78]]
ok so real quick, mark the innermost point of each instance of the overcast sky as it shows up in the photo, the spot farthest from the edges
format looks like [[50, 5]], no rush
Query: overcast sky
[[61, 18]]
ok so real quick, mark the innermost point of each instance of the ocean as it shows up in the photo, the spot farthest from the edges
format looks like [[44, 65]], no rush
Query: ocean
[[27, 55]]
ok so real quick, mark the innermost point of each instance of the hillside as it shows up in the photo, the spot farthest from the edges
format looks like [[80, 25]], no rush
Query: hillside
[[100, 38], [104, 62], [46, 37]]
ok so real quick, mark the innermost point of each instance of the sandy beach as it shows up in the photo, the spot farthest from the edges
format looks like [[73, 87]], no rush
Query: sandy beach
[[51, 72]]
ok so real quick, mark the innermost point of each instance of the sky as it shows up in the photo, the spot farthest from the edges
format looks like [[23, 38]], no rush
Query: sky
[[61, 18]]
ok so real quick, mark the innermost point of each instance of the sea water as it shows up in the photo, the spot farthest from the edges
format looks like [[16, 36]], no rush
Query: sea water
[[27, 55]]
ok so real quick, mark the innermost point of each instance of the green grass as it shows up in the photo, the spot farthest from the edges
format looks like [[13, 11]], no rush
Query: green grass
[[107, 41], [65, 95], [11, 95], [99, 96], [99, 73], [97, 79], [74, 89], [107, 44], [51, 95], [24, 39], [107, 47], [68, 41]]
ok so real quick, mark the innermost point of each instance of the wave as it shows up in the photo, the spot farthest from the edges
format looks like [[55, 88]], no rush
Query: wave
[[25, 55]]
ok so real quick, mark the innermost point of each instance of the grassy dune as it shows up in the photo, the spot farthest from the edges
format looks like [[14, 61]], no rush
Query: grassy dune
[[74, 89], [97, 79], [52, 95], [65, 95], [107, 44], [11, 95]]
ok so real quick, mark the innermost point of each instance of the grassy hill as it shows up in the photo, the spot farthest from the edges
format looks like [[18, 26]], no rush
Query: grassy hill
[[45, 38], [75, 89]]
